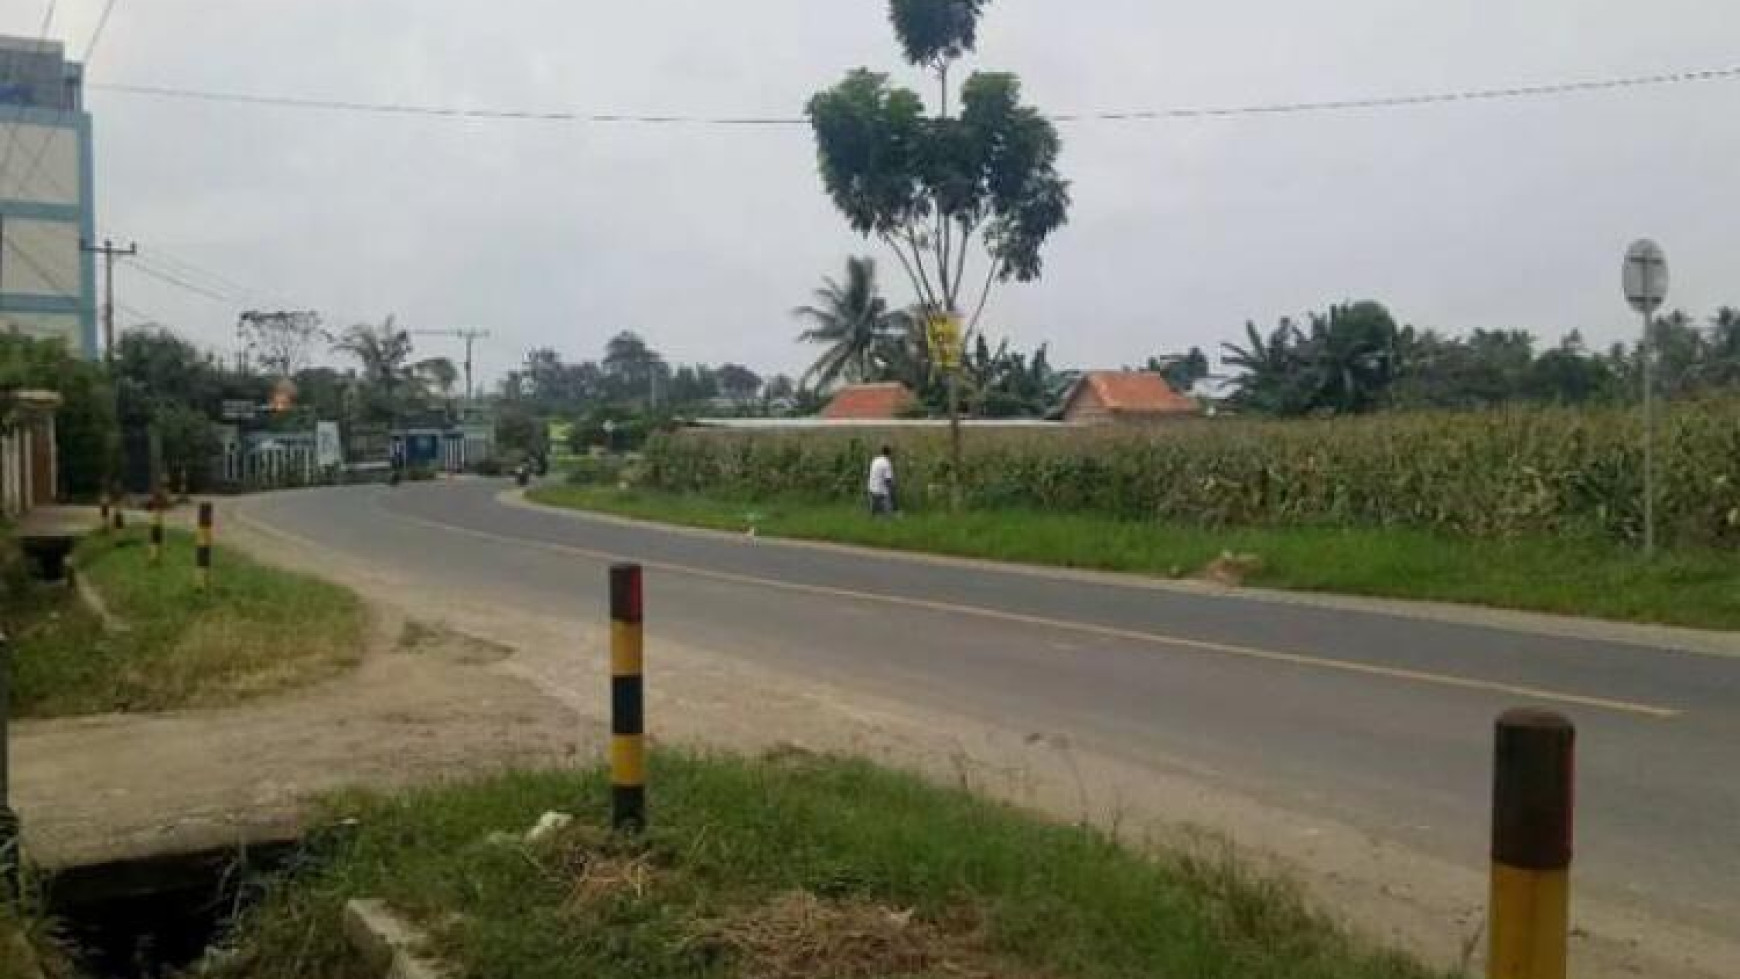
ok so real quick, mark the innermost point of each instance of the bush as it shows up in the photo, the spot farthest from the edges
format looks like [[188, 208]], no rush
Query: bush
[[598, 471], [1489, 474]]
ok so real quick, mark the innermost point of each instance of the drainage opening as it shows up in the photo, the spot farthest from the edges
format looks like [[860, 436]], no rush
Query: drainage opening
[[151, 918]]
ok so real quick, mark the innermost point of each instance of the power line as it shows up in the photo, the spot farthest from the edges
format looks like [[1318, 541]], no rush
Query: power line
[[1404, 101], [97, 35], [200, 276], [445, 112], [216, 284], [1547, 90], [169, 278]]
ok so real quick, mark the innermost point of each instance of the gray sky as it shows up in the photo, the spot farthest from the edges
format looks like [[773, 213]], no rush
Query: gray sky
[[1487, 215]]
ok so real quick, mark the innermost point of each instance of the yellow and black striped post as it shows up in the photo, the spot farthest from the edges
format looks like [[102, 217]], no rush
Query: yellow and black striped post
[[627, 700], [157, 507], [1532, 801], [202, 548]]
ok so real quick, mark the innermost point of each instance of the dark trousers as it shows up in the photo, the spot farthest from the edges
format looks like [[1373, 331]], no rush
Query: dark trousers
[[881, 504]]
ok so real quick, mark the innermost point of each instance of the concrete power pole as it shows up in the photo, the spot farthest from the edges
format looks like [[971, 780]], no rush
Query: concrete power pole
[[109, 252]]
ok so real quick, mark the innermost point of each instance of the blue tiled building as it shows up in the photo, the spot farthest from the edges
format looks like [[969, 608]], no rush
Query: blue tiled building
[[47, 279]]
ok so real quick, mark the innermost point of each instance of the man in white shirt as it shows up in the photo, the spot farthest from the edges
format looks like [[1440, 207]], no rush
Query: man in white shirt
[[882, 484]]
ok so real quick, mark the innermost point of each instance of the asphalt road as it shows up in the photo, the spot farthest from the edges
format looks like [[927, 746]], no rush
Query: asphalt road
[[1380, 721]]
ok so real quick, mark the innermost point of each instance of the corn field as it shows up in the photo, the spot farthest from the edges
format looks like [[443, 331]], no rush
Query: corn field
[[1493, 474]]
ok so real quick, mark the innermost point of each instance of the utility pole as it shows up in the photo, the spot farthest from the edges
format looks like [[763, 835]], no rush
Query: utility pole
[[109, 252], [470, 337]]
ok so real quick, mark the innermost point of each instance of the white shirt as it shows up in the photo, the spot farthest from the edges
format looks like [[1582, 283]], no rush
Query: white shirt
[[882, 477]]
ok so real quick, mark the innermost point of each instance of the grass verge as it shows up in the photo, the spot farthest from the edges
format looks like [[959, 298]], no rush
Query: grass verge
[[1699, 589], [258, 631], [786, 867]]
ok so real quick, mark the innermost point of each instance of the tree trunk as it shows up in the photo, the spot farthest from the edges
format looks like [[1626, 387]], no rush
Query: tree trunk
[[956, 450]]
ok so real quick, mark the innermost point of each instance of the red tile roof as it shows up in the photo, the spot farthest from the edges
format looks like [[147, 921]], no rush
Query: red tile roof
[[869, 402], [1137, 393]]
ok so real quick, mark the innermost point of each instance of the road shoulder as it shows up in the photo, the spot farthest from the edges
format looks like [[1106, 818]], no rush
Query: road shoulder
[[1701, 642]]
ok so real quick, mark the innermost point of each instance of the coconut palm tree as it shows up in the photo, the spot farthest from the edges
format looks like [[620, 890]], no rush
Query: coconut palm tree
[[438, 374], [855, 322], [382, 352]]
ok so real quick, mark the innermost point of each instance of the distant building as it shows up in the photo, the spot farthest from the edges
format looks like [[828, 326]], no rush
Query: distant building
[[1125, 397], [47, 280], [870, 402]]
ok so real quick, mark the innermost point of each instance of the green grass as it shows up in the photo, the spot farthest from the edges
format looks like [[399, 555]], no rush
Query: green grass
[[1567, 576], [258, 631], [775, 869]]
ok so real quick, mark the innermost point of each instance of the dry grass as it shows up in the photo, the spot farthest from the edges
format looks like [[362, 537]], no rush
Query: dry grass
[[798, 935]]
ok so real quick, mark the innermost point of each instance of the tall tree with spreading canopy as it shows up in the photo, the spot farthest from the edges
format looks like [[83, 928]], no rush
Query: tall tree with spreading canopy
[[280, 343], [938, 189]]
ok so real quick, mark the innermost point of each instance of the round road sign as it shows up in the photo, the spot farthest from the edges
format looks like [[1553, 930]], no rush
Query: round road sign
[[1646, 276]]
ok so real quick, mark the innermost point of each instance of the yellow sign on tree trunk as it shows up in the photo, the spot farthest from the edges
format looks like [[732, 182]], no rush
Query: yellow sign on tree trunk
[[944, 334]]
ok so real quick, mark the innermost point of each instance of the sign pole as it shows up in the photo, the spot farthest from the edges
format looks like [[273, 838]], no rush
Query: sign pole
[[1646, 288], [1648, 436]]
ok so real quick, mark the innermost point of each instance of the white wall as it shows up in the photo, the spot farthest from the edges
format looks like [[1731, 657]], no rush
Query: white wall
[[41, 258], [56, 180]]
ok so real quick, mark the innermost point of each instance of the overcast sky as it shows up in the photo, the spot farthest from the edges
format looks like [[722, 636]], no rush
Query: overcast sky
[[1475, 215]]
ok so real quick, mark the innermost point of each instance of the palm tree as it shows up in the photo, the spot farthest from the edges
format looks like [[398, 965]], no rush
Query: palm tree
[[439, 374], [1271, 367], [382, 352], [854, 320]]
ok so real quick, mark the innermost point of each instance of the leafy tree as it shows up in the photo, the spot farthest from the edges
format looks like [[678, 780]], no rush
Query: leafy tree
[[936, 33], [166, 385], [855, 322], [1182, 371], [1487, 368], [737, 382], [327, 393], [1344, 364], [280, 343], [1568, 375], [1351, 352], [85, 425], [1722, 350], [1008, 384], [936, 189], [632, 370]]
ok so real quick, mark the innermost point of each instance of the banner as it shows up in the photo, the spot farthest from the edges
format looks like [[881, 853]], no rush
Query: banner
[[328, 446]]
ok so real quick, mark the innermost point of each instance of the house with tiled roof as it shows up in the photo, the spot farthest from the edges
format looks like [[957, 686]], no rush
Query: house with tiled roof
[[870, 402], [1125, 397]]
